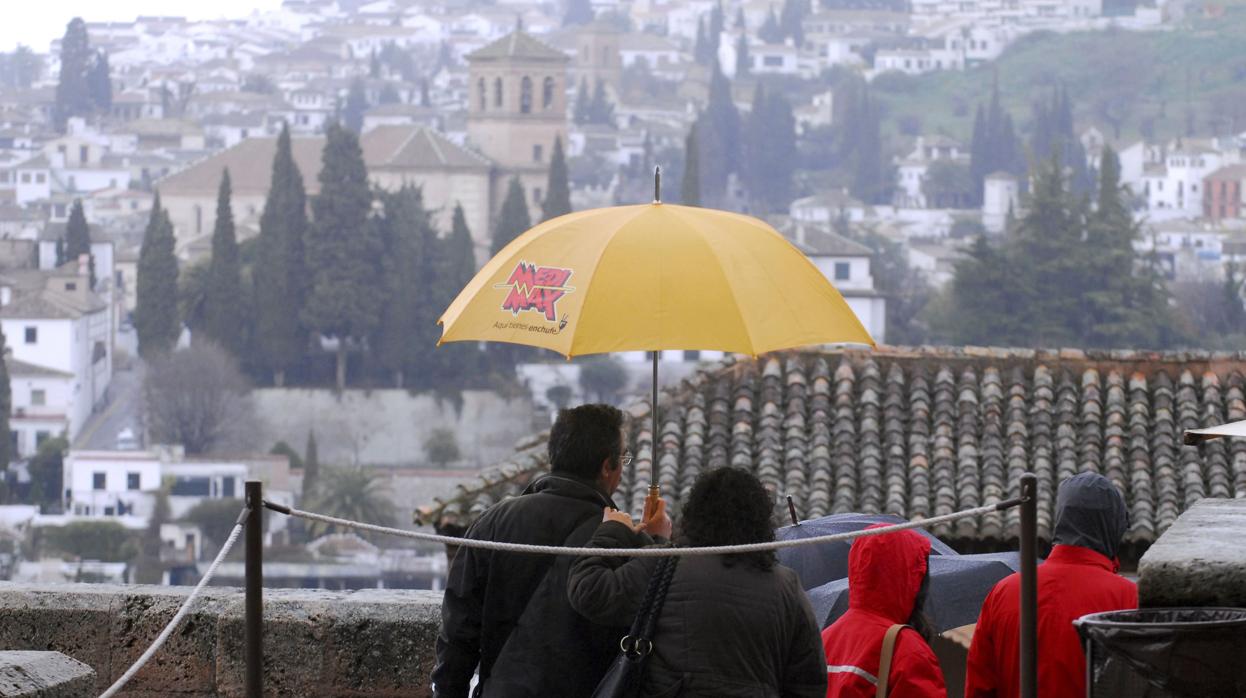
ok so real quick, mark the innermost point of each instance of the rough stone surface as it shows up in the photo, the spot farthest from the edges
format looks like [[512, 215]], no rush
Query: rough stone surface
[[317, 643], [44, 675], [1200, 560]]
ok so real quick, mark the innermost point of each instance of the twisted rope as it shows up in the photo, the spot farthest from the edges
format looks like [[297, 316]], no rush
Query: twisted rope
[[640, 552], [181, 612]]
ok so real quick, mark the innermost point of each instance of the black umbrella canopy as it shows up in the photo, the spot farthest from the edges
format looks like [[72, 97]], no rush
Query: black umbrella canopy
[[825, 562], [958, 585]]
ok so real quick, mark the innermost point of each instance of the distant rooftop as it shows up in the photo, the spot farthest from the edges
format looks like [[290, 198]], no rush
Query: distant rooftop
[[518, 45]]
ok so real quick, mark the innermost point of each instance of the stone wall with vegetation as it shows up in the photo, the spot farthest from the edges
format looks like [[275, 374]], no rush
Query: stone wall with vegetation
[[362, 644]]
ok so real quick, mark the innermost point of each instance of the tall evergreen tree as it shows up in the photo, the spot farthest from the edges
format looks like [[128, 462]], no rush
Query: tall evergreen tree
[[223, 298], [690, 186], [99, 82], [557, 190], [583, 104], [512, 218], [718, 137], [701, 52], [791, 20], [715, 30], [356, 105], [579, 12], [987, 302], [156, 319], [455, 265], [6, 406], [770, 150], [869, 173], [280, 281], [73, 97], [743, 61], [342, 250], [78, 238], [770, 31], [740, 24], [311, 466], [601, 110], [979, 159], [406, 232]]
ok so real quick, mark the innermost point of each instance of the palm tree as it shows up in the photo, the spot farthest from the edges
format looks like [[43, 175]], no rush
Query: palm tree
[[351, 493]]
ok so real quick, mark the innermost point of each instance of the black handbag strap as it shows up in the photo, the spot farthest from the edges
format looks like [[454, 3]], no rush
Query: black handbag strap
[[646, 621]]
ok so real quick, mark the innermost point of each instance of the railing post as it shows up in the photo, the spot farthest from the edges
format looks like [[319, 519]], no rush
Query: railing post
[[1029, 586], [254, 637]]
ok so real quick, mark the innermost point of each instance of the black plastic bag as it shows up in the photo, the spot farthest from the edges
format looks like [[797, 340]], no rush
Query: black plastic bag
[[1166, 652]]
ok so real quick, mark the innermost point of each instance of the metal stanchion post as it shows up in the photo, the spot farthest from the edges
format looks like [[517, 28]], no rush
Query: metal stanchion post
[[1029, 586], [254, 636]]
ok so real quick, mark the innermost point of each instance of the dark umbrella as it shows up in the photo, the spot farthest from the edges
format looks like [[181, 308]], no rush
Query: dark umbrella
[[825, 562], [958, 585]]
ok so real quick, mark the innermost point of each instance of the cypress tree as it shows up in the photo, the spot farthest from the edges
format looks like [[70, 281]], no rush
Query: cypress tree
[[512, 218], [743, 61], [791, 19], [701, 49], [690, 187], [311, 465], [73, 97], [770, 150], [223, 295], [156, 320], [583, 108], [718, 137], [405, 231], [356, 105], [601, 111], [979, 160], [455, 266], [78, 239], [280, 286], [739, 18], [557, 190], [342, 249], [715, 31], [99, 82], [770, 31], [868, 175], [6, 406]]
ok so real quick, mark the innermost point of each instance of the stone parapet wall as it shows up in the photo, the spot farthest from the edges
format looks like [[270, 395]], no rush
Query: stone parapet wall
[[1200, 560], [317, 643]]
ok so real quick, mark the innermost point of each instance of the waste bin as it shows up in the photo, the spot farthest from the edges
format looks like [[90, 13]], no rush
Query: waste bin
[[1165, 652]]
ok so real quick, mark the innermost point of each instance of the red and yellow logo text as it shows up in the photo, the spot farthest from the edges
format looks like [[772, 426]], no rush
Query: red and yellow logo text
[[537, 289]]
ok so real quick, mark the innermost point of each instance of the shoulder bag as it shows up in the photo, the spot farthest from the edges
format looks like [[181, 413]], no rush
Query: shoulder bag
[[623, 679], [884, 662]]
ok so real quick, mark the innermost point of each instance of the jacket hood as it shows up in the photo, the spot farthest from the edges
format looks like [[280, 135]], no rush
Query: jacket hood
[[1090, 513], [885, 573]]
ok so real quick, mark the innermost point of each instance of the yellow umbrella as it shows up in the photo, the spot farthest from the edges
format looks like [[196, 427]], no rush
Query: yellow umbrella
[[652, 277]]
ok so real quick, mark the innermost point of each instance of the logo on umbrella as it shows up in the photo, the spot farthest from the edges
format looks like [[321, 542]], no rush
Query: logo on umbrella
[[534, 288]]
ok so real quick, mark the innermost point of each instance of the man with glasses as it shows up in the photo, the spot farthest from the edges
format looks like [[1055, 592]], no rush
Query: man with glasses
[[507, 614]]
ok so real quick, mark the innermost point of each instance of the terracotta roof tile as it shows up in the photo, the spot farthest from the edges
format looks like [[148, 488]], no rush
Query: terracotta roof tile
[[930, 431]]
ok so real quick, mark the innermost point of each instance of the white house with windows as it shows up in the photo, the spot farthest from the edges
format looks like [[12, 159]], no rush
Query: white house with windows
[[123, 485], [846, 263], [53, 321], [42, 402], [1173, 187]]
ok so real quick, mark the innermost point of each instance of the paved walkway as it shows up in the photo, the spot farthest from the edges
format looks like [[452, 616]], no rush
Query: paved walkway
[[124, 411]]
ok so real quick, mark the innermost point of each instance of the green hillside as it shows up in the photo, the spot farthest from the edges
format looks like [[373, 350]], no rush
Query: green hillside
[[1191, 79]]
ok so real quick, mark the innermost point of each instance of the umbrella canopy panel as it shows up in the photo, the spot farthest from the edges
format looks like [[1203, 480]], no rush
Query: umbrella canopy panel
[[825, 562], [652, 277], [958, 586]]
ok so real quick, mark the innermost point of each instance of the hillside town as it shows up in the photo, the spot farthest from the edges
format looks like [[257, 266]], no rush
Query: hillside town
[[498, 115]]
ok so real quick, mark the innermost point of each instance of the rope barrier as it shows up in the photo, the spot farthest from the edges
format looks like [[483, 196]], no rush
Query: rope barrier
[[181, 612], [641, 552]]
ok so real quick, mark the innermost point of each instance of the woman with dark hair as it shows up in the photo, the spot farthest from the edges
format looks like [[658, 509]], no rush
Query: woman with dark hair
[[732, 625], [888, 576]]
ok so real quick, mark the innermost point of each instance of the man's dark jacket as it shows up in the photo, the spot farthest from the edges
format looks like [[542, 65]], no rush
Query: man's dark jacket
[[508, 612]]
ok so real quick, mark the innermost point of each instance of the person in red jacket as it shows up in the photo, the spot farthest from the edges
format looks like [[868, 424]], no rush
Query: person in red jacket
[[887, 580], [1079, 577]]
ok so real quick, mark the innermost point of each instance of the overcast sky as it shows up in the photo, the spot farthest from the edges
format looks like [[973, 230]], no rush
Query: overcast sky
[[36, 22]]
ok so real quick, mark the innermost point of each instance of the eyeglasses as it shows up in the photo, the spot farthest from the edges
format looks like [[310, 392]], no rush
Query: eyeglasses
[[626, 459]]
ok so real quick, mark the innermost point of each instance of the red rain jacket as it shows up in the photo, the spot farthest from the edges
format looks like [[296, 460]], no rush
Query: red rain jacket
[[1072, 582], [884, 575]]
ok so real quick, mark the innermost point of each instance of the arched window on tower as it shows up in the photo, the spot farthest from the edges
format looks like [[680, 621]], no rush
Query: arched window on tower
[[484, 93], [525, 95], [497, 92], [547, 93]]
